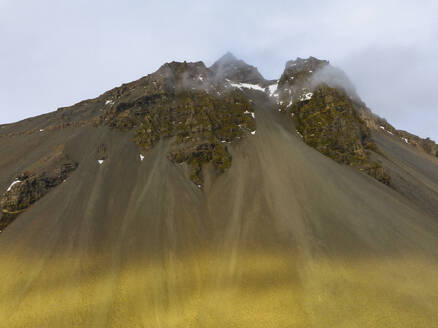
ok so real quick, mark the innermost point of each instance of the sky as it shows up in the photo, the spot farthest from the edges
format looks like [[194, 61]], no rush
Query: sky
[[55, 53]]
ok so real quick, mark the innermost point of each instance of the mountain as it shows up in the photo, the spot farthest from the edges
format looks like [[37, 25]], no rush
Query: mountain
[[211, 197], [230, 68]]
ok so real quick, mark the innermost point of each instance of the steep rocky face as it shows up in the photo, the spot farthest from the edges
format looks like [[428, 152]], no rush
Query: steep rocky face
[[181, 100], [296, 82], [37, 180], [231, 68], [329, 123], [328, 116]]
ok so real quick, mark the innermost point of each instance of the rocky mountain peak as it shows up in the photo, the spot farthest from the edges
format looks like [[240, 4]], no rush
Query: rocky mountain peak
[[177, 69], [236, 70], [184, 75], [301, 64], [227, 58]]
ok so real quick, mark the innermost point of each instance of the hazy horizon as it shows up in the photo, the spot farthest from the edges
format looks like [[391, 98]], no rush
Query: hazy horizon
[[56, 54]]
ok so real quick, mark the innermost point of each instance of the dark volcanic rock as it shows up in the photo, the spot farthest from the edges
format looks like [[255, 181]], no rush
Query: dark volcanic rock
[[181, 100], [229, 67], [296, 80], [329, 122], [37, 181], [328, 113]]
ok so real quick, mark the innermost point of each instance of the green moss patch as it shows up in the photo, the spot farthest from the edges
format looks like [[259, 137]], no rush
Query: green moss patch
[[201, 123]]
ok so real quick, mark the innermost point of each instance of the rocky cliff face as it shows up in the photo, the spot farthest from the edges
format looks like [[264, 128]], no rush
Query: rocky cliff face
[[183, 101], [229, 67], [35, 182], [296, 82], [329, 123], [328, 117]]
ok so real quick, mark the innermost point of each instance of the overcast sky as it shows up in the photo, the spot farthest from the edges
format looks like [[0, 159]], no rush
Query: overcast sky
[[55, 53]]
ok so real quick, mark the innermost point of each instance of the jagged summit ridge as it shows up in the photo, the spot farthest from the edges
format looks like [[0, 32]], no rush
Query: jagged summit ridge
[[300, 64], [229, 67], [227, 58]]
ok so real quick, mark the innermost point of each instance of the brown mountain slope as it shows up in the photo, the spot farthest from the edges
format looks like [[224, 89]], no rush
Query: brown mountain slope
[[285, 237]]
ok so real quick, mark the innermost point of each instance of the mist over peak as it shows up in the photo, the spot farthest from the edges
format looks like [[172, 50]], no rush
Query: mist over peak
[[227, 58], [229, 67], [335, 78]]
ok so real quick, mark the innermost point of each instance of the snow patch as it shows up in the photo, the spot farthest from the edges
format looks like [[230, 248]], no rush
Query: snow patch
[[109, 102], [246, 86], [253, 132], [41, 130], [272, 90], [12, 184], [383, 128], [248, 112], [406, 140], [141, 157], [306, 96], [100, 161]]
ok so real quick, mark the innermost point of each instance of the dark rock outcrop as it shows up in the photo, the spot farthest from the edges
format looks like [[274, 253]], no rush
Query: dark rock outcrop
[[296, 81], [329, 123], [328, 117], [231, 68], [36, 182], [181, 100]]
